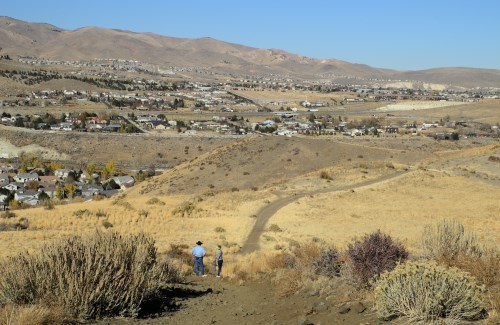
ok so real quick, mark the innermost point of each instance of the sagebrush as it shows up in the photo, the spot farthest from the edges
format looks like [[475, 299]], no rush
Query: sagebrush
[[105, 274], [448, 241], [423, 292]]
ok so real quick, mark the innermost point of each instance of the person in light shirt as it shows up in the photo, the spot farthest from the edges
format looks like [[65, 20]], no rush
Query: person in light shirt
[[198, 252]]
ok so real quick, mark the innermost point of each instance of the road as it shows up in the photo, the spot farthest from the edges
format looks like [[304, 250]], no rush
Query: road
[[252, 242]]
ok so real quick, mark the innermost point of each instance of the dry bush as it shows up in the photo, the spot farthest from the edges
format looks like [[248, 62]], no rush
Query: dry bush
[[325, 175], [8, 214], [186, 209], [155, 201], [371, 255], [422, 292], [125, 204], [281, 260], [101, 275], [48, 205], [21, 224], [306, 254], [101, 214], [32, 315], [170, 270], [274, 228], [449, 241], [179, 252], [219, 229], [106, 224], [288, 282], [328, 263], [82, 213]]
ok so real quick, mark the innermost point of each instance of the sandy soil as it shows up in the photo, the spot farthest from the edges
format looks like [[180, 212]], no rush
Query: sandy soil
[[417, 105]]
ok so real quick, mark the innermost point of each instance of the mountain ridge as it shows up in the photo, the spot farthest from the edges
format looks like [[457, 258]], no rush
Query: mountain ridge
[[22, 38]]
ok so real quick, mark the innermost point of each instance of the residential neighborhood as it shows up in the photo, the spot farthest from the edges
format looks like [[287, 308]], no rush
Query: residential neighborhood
[[39, 185]]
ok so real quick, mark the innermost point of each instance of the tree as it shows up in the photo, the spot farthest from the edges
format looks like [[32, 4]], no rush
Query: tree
[[109, 169], [32, 185], [72, 177], [43, 196], [59, 192], [90, 169], [70, 190], [19, 123], [140, 176], [312, 117]]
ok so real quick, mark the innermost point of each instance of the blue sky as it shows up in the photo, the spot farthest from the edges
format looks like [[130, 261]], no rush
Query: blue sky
[[402, 34]]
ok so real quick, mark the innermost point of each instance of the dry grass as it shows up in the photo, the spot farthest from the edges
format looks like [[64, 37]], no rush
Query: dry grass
[[400, 208], [31, 315], [230, 210]]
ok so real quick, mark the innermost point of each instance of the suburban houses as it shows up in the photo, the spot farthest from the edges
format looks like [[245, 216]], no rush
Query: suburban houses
[[31, 189]]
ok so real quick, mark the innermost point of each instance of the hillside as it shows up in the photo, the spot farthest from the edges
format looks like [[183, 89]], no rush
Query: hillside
[[87, 43]]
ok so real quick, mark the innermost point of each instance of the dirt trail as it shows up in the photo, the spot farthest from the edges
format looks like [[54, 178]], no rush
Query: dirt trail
[[252, 242]]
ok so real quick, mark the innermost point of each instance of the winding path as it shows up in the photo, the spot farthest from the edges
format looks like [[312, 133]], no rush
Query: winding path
[[252, 242]]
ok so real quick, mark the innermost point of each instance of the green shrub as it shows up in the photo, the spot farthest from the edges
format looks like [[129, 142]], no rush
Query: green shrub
[[100, 275], [448, 241], [372, 255], [424, 292]]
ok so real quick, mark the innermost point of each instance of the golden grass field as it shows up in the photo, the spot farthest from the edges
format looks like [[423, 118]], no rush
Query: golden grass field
[[225, 184], [400, 207]]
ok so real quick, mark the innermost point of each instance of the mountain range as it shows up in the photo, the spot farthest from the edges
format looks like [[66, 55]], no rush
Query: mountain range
[[20, 38]]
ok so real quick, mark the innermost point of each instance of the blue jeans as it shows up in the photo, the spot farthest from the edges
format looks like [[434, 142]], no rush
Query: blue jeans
[[219, 264], [198, 266]]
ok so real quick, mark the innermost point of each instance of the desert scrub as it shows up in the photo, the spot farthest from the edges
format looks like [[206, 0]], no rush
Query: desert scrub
[[21, 224], [371, 255], [105, 274], [288, 282], [82, 213], [448, 241], [8, 214], [186, 209], [155, 201], [274, 228], [328, 262], [325, 175], [423, 292]]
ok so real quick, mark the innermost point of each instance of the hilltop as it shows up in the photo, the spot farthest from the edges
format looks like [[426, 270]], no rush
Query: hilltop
[[19, 38]]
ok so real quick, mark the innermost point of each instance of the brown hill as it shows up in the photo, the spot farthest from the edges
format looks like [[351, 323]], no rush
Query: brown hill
[[44, 40]]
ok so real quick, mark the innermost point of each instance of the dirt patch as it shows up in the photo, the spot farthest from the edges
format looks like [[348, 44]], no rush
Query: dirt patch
[[8, 150], [211, 300]]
